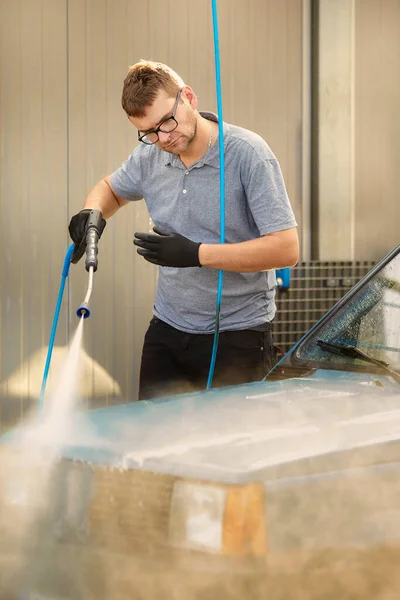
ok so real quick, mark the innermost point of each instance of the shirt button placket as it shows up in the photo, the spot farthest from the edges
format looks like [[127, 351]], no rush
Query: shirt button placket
[[184, 191]]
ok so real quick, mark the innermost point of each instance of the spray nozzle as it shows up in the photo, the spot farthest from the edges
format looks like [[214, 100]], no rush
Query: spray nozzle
[[83, 311]]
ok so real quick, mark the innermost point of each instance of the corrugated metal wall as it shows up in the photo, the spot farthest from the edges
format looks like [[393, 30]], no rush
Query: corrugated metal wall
[[34, 181], [61, 72], [357, 128], [377, 127]]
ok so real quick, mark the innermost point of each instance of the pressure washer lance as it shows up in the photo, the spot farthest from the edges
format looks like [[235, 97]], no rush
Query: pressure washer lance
[[89, 244]]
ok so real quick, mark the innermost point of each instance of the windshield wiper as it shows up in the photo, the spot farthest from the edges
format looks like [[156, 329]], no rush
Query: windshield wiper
[[353, 352]]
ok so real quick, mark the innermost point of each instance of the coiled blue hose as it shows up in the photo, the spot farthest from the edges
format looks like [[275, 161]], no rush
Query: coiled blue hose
[[64, 275], [222, 187]]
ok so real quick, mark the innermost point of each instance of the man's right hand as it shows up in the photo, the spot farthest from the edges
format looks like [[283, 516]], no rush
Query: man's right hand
[[77, 230], [77, 226]]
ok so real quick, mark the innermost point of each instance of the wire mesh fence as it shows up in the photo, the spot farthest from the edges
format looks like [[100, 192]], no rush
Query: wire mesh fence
[[315, 286]]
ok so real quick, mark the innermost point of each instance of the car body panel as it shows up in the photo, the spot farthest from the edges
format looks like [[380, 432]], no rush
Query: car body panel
[[205, 436]]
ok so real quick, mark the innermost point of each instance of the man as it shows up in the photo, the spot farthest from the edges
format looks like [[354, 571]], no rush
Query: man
[[176, 169]]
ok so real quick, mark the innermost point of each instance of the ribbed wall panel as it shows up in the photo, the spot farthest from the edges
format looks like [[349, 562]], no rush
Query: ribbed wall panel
[[34, 182]]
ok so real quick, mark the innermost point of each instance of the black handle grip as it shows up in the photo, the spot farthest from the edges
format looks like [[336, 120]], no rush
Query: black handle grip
[[95, 220]]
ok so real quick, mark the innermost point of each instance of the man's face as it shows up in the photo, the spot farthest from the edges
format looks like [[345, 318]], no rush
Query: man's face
[[177, 140]]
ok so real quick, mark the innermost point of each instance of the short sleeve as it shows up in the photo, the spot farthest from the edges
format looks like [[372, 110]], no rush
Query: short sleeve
[[126, 181], [267, 196]]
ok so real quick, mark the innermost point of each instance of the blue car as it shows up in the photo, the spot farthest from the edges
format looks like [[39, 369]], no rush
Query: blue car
[[285, 488]]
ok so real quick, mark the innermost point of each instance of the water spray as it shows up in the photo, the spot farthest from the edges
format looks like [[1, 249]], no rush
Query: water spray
[[73, 255]]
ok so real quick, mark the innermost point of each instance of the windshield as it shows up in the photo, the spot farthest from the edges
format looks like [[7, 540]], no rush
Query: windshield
[[367, 320]]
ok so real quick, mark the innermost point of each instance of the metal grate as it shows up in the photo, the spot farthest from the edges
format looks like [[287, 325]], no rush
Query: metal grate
[[315, 287], [130, 510], [114, 509]]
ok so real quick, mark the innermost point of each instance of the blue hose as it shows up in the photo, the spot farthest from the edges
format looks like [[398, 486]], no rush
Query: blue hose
[[222, 188], [65, 271]]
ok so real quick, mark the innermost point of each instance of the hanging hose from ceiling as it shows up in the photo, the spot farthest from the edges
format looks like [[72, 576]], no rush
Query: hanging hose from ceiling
[[222, 187]]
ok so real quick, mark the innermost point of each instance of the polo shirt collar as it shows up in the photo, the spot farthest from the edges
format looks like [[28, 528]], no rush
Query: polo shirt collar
[[211, 157]]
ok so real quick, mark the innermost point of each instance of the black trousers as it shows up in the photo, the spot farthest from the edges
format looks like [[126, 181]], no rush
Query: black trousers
[[175, 362]]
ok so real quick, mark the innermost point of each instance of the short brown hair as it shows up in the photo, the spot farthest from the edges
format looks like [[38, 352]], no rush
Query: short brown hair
[[142, 83]]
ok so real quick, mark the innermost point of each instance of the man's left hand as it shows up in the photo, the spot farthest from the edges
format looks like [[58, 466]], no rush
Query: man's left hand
[[167, 249]]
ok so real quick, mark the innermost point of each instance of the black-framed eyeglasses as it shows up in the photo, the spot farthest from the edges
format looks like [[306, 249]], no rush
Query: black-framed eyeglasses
[[166, 126]]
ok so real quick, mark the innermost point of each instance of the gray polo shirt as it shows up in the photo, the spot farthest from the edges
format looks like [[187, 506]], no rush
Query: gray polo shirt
[[186, 201]]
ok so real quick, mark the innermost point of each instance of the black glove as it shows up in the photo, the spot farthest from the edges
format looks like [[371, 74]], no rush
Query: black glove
[[77, 230], [167, 249], [77, 226]]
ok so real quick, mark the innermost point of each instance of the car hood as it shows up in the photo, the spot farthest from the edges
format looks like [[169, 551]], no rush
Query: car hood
[[231, 434]]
